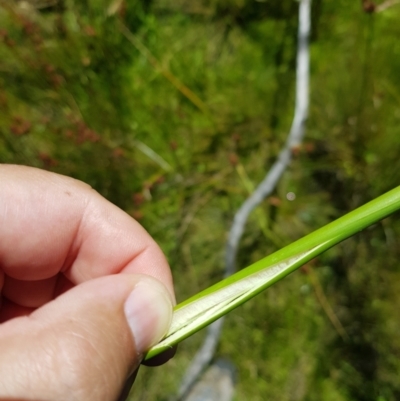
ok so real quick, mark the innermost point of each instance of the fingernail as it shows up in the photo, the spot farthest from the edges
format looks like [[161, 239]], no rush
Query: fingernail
[[148, 311]]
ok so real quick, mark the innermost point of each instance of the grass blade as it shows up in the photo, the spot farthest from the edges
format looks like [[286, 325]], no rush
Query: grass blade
[[207, 306]]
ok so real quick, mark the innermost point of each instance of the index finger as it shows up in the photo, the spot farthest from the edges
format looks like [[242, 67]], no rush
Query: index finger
[[51, 223]]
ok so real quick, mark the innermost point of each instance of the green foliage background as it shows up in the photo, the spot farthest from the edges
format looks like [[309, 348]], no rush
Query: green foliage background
[[80, 97]]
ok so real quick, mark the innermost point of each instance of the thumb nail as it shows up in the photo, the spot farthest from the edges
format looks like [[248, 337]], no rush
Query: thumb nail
[[148, 310]]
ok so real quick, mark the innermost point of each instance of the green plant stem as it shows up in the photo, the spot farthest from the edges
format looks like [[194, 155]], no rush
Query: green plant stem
[[207, 306]]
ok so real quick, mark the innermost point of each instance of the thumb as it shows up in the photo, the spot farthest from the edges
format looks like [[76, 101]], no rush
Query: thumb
[[85, 343]]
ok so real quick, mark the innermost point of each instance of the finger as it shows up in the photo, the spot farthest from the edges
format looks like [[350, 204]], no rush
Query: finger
[[29, 293], [86, 343], [10, 310], [51, 223]]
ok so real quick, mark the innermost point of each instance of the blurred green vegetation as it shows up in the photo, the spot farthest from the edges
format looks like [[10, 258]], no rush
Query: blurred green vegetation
[[172, 110]]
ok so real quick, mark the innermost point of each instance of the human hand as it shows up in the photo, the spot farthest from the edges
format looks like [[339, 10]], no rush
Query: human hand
[[85, 290]]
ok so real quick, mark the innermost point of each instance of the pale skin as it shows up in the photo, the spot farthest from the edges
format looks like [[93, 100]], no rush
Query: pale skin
[[85, 290]]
